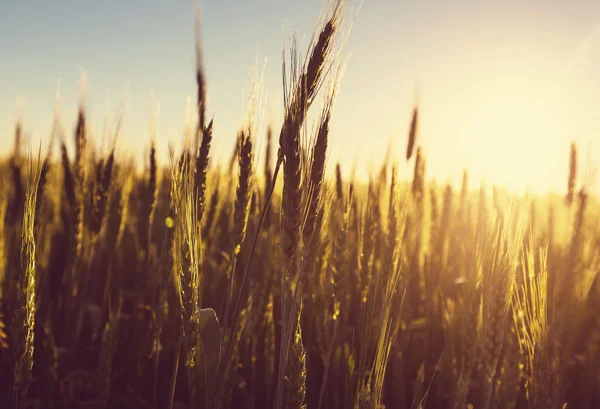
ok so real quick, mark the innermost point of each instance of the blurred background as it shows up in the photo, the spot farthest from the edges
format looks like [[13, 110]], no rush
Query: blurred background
[[502, 88]]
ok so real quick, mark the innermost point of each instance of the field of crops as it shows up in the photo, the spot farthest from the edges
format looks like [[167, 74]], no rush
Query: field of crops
[[269, 285]]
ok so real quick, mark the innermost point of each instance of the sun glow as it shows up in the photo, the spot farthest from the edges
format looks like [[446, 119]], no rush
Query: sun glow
[[509, 121], [516, 133]]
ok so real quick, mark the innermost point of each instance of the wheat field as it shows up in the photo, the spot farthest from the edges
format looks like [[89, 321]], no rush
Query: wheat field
[[271, 285]]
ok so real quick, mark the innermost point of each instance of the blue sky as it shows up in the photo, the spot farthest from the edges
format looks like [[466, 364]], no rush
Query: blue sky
[[503, 88]]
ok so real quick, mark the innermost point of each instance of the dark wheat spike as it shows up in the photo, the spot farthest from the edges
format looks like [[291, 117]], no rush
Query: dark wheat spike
[[80, 136], [339, 184], [68, 181], [96, 198], [79, 179], [309, 81], [201, 168], [101, 191], [316, 175], [108, 169], [42, 184], [317, 59], [292, 194], [290, 145], [16, 206], [412, 133], [243, 192]]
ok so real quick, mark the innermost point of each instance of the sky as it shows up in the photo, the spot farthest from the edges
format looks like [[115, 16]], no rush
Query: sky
[[502, 87]]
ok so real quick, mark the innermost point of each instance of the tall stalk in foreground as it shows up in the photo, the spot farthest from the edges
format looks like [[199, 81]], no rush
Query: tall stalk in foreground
[[303, 91], [24, 313], [186, 263]]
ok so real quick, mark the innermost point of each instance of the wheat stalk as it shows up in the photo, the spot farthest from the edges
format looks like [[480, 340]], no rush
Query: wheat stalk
[[25, 308]]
